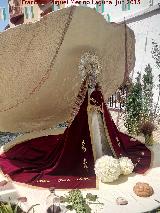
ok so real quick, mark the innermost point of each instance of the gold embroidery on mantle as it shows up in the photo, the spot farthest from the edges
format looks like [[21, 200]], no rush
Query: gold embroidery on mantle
[[63, 180], [68, 180], [108, 137], [93, 108], [83, 146], [78, 101], [43, 181], [82, 178], [85, 166]]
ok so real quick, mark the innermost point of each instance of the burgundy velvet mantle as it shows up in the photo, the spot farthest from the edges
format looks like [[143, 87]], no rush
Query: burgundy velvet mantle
[[66, 160], [56, 160], [120, 143]]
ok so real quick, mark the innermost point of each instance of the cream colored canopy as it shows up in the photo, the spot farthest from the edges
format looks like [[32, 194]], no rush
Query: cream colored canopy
[[39, 74]]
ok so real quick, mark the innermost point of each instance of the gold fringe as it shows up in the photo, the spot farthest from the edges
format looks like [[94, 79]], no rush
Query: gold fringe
[[78, 101], [89, 112]]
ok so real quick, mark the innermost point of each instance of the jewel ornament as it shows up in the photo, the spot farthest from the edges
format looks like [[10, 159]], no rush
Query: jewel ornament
[[90, 68]]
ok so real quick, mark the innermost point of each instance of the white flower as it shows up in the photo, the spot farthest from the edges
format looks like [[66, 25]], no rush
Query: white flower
[[107, 169], [126, 165]]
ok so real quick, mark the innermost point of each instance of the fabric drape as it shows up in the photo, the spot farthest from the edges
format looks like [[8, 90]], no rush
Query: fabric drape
[[62, 161], [66, 161]]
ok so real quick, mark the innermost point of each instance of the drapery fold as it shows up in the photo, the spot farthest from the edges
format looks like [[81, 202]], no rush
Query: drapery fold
[[62, 161], [121, 144], [66, 161]]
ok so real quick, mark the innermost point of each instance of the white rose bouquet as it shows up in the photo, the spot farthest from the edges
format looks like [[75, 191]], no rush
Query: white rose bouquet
[[107, 169], [126, 165]]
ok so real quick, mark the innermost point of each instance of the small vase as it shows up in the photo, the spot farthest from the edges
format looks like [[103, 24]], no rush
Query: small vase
[[53, 202], [149, 139]]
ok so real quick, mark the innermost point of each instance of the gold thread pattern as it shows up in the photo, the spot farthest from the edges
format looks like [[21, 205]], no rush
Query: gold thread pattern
[[83, 146], [85, 163], [108, 138]]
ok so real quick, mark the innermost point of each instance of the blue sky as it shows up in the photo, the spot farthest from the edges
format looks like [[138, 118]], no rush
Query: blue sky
[[3, 3]]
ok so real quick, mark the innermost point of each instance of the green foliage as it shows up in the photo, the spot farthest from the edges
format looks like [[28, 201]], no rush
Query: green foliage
[[77, 202], [156, 55], [139, 104], [147, 94], [134, 107], [8, 207], [91, 197]]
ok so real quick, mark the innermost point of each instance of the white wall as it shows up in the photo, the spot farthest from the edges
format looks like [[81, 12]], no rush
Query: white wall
[[116, 12], [146, 30]]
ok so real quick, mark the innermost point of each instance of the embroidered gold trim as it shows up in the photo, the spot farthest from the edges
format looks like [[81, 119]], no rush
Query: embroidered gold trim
[[85, 163], [42, 188], [78, 101], [43, 181], [63, 180], [91, 131], [108, 137], [83, 146]]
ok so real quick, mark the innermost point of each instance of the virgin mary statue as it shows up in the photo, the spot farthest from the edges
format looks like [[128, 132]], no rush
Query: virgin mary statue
[[61, 69]]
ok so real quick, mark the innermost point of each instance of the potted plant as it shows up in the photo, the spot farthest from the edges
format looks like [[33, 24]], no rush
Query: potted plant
[[147, 129]]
